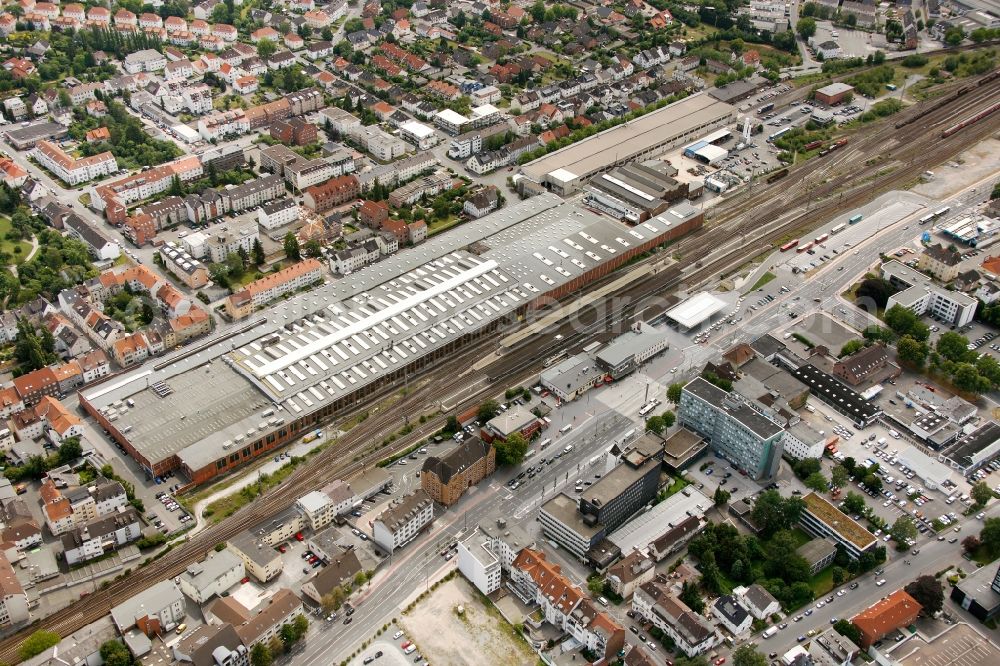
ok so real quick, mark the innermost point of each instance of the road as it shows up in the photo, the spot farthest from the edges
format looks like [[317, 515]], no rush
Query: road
[[417, 564]]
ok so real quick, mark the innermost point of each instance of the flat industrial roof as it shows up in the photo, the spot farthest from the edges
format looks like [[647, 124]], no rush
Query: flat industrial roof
[[334, 339], [696, 309], [649, 526], [711, 152], [673, 122], [417, 129]]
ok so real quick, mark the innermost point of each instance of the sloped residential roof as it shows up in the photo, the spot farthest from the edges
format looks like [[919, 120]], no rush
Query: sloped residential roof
[[897, 610]]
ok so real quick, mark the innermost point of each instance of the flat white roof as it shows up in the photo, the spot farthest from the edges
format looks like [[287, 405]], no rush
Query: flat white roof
[[418, 130], [562, 175], [712, 153], [696, 309], [452, 117], [484, 110], [186, 132]]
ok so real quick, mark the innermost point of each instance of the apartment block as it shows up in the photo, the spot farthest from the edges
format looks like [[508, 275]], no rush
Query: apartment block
[[273, 286], [400, 524]]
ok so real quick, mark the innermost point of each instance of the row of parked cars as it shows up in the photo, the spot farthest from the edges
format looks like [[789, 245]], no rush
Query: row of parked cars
[[171, 505]]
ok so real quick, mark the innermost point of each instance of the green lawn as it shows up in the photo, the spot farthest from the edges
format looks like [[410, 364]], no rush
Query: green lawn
[[982, 556], [437, 226], [764, 279], [9, 246], [800, 536], [822, 582]]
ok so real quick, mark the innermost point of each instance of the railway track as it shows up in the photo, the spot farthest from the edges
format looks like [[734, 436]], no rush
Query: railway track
[[761, 213]]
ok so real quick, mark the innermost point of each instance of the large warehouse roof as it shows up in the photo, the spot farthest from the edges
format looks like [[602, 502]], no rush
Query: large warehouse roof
[[672, 124], [695, 310], [327, 343]]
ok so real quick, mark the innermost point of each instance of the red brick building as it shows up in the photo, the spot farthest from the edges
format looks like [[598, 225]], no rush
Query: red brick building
[[334, 192], [294, 131], [373, 213], [445, 479]]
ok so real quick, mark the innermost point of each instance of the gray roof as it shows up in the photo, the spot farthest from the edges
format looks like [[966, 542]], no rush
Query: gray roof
[[763, 427], [149, 601], [731, 609], [624, 347], [254, 548], [204, 573], [398, 515], [759, 597], [816, 550]]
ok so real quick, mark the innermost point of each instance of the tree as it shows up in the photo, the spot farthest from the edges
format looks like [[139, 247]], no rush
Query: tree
[[854, 503], [981, 494], [301, 625], [845, 628], [746, 655], [669, 418], [970, 543], [721, 496], [902, 531], [260, 655], [816, 481], [772, 512], [807, 466], [257, 252], [839, 476], [903, 322], [334, 599], [873, 482], [806, 27], [928, 592], [37, 643], [655, 424], [487, 410], [313, 248], [990, 535], [953, 347], [291, 244], [692, 597], [70, 450], [875, 290], [851, 347], [912, 351], [114, 653], [674, 393], [511, 451]]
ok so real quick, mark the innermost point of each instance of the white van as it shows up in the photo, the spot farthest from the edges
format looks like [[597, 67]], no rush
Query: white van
[[894, 434], [568, 449], [770, 631], [881, 441]]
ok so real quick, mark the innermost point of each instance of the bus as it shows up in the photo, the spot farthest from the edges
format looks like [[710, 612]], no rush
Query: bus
[[767, 107], [789, 245], [821, 238], [942, 211], [856, 218], [780, 133], [529, 453], [545, 442], [565, 429], [803, 248], [647, 408], [926, 218], [837, 229]]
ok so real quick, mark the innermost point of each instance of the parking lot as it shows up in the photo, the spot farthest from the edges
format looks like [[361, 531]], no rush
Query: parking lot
[[387, 650]]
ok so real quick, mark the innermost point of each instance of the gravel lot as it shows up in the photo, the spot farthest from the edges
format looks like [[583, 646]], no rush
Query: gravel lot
[[443, 637]]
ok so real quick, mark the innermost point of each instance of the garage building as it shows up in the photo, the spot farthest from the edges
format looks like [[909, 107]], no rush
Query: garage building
[[695, 311]]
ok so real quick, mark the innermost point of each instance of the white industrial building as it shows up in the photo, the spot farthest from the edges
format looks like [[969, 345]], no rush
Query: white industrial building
[[420, 135], [695, 311]]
